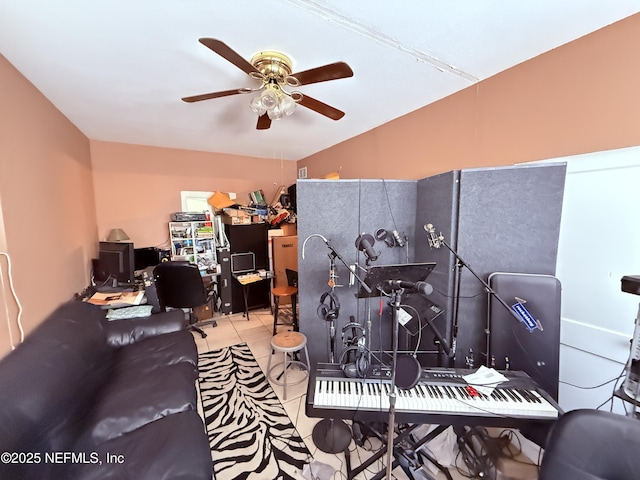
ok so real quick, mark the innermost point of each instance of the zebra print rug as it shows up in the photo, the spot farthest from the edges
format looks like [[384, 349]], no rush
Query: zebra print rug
[[250, 434]]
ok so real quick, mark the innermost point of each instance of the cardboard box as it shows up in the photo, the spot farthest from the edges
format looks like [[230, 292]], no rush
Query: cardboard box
[[204, 312], [234, 212], [233, 216], [243, 220], [289, 229]]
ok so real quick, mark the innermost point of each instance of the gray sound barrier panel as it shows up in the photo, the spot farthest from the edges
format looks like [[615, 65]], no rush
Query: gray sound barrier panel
[[340, 210], [508, 221], [511, 344], [438, 205]]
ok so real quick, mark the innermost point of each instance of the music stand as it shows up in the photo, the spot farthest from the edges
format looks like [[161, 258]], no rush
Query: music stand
[[377, 276]]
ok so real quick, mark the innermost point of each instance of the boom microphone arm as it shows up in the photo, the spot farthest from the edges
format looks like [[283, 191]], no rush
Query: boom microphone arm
[[489, 290], [461, 263]]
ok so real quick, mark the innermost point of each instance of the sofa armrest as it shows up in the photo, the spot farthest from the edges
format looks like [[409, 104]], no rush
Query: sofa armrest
[[130, 330]]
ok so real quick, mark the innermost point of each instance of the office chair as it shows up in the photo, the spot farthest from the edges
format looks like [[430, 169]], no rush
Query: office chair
[[594, 445], [180, 285]]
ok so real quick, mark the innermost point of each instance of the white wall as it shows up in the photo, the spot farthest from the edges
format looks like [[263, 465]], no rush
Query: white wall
[[598, 245]]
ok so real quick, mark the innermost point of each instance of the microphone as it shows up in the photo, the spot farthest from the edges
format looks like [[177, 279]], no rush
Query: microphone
[[364, 243], [420, 287], [434, 240], [391, 237], [398, 238]]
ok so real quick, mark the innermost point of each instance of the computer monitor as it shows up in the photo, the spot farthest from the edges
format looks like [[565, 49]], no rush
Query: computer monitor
[[146, 257], [243, 262], [116, 263]]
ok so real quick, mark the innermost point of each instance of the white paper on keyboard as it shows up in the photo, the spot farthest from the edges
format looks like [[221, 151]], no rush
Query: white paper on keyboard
[[485, 380]]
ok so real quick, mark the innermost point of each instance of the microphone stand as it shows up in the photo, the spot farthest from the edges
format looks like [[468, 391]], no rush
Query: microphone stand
[[461, 263], [395, 304]]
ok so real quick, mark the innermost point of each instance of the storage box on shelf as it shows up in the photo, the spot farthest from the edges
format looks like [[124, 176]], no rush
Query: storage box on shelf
[[232, 216]]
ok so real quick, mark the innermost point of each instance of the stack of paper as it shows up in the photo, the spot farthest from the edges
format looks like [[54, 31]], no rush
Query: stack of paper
[[485, 379], [117, 299]]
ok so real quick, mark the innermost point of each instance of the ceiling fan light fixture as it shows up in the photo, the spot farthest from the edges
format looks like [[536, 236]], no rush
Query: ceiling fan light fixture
[[274, 72], [269, 99], [287, 105], [256, 106], [275, 113]]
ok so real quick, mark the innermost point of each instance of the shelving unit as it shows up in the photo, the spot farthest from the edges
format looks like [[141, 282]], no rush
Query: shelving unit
[[194, 242]]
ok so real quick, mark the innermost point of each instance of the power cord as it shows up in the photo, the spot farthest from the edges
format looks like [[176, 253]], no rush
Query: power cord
[[17, 300], [479, 452]]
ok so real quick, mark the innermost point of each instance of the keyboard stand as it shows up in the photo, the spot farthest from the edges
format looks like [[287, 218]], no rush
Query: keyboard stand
[[400, 459]]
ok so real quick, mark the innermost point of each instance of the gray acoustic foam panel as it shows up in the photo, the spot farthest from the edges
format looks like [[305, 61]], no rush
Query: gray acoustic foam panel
[[438, 205], [508, 221], [340, 210]]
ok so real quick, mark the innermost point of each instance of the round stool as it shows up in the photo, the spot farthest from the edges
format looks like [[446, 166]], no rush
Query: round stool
[[286, 291], [288, 343]]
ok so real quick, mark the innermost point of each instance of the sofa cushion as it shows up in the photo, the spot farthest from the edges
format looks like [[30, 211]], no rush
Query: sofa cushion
[[171, 448], [157, 352], [133, 399]]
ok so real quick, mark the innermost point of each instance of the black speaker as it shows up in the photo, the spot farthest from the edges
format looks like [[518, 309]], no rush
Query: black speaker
[[511, 344], [292, 197]]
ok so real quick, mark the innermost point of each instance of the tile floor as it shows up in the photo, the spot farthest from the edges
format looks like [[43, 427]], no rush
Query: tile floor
[[257, 332]]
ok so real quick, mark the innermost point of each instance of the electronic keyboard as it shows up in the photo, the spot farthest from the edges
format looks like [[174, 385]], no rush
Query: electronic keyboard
[[441, 396]]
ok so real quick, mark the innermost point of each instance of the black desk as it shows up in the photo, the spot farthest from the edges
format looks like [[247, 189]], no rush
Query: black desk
[[246, 282]]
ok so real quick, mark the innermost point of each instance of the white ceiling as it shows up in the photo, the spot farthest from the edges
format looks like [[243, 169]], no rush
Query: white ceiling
[[118, 69]]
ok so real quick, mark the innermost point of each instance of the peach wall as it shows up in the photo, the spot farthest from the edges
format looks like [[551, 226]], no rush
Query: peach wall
[[138, 187], [48, 210], [581, 97]]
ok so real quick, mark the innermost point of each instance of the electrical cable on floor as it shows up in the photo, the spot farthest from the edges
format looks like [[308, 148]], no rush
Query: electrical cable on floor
[[480, 452], [17, 300]]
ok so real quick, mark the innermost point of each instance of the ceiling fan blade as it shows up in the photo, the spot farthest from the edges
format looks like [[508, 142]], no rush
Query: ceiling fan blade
[[207, 96], [227, 53], [333, 71], [321, 108], [264, 122]]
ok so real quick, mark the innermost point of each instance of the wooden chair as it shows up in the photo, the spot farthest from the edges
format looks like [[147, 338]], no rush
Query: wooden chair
[[290, 290]]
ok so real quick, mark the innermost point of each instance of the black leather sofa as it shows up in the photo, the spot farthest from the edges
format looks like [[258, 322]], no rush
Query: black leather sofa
[[87, 398]]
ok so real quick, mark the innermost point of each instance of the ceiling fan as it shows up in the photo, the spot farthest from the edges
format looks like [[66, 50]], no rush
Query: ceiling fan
[[273, 70]]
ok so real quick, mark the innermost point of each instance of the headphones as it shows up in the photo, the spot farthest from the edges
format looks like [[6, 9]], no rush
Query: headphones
[[359, 367], [328, 312]]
